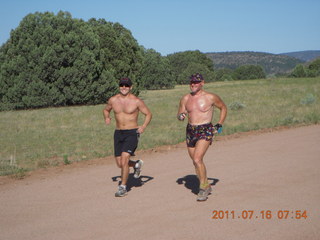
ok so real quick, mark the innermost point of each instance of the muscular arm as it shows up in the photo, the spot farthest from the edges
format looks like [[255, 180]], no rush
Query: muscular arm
[[106, 112], [148, 115], [217, 102], [182, 108]]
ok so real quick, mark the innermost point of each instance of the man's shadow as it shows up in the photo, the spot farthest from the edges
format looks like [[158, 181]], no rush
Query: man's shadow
[[192, 182], [133, 182]]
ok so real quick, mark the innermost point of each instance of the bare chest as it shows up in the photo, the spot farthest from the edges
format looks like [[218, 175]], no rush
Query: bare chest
[[198, 104], [126, 107]]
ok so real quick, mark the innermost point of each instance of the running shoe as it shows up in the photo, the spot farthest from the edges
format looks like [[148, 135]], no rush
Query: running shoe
[[203, 194], [122, 191], [137, 169], [209, 189]]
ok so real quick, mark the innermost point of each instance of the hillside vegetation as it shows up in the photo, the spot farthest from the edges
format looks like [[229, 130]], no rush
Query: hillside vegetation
[[271, 63], [304, 55]]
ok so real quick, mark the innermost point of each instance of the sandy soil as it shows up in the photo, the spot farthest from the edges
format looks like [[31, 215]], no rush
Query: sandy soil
[[276, 171]]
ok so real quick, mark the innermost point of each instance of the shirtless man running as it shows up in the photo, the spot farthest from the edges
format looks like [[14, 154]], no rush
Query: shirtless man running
[[198, 105], [126, 108]]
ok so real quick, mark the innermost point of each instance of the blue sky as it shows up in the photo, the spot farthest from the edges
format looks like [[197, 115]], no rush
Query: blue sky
[[168, 26]]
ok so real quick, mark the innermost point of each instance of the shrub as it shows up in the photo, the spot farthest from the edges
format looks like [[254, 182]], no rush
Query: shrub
[[237, 106], [308, 99]]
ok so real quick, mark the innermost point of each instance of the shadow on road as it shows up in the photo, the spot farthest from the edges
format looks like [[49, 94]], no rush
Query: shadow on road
[[192, 182], [133, 182]]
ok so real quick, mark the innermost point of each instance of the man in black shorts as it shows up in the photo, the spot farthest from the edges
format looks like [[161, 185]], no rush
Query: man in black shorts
[[198, 106], [126, 108]]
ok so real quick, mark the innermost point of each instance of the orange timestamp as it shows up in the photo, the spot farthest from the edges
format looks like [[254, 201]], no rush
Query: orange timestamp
[[260, 214]]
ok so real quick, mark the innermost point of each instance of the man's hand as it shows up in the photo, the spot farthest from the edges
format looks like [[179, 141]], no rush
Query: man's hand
[[218, 128], [181, 116], [140, 129], [108, 120]]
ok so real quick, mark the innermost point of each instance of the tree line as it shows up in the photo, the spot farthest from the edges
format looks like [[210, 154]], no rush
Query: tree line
[[56, 60], [311, 69]]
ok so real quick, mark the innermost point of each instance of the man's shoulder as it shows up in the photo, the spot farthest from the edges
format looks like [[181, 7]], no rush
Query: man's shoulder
[[212, 97], [133, 97], [114, 97], [209, 94], [186, 96]]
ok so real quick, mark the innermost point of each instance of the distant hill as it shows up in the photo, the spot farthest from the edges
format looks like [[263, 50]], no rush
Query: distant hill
[[304, 55], [271, 63]]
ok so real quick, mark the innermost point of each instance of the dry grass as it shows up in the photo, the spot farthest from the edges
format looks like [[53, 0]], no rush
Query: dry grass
[[41, 138]]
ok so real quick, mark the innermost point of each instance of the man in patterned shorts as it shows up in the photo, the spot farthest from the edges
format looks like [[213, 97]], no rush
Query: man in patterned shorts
[[198, 105]]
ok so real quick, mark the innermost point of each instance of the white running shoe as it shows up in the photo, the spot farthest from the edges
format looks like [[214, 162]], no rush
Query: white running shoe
[[137, 169], [203, 194], [122, 191]]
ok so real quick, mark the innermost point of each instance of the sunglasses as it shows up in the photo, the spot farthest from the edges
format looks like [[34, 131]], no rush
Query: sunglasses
[[124, 85]]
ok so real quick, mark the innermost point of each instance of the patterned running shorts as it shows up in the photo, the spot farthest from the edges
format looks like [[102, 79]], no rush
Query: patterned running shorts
[[197, 132]]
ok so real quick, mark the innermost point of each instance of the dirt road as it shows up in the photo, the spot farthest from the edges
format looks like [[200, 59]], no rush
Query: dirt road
[[277, 171]]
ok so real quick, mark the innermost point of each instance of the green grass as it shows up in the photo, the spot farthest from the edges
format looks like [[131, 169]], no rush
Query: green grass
[[47, 137]]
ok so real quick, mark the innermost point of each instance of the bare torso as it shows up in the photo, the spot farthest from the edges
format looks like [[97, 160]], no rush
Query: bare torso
[[199, 108], [126, 111]]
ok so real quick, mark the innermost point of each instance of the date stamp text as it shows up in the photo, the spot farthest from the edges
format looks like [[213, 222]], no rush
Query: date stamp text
[[260, 214]]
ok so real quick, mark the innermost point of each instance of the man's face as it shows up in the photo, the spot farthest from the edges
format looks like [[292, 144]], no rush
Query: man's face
[[124, 89], [196, 86]]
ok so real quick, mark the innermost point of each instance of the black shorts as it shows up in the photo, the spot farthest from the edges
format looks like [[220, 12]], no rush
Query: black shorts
[[125, 141]]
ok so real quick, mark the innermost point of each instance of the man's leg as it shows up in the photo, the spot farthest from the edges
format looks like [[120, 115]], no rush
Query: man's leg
[[132, 163], [197, 153], [124, 161], [119, 162], [191, 151]]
